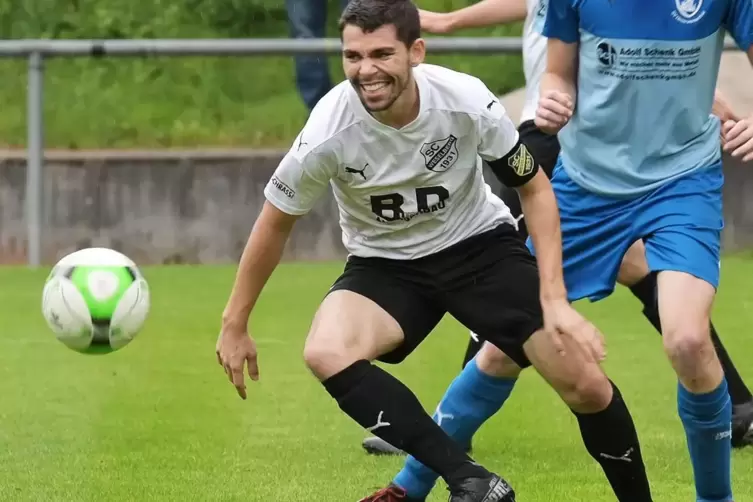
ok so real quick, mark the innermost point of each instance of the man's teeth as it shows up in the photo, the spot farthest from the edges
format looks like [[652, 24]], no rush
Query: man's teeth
[[374, 86]]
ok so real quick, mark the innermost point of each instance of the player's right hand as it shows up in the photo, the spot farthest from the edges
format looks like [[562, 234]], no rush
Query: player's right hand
[[235, 349], [434, 22], [561, 320], [554, 111]]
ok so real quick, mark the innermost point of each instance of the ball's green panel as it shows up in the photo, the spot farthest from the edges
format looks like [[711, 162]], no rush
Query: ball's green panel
[[102, 287]]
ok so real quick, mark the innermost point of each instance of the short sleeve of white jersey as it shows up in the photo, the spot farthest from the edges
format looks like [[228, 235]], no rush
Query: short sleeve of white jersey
[[299, 180], [497, 134]]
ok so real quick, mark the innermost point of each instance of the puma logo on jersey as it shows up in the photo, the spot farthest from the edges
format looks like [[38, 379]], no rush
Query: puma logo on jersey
[[301, 142], [356, 171]]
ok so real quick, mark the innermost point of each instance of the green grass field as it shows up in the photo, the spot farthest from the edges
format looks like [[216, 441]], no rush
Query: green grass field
[[158, 421]]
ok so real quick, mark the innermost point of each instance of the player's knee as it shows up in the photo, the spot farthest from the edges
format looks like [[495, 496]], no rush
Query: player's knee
[[686, 343], [589, 392], [327, 356], [492, 361]]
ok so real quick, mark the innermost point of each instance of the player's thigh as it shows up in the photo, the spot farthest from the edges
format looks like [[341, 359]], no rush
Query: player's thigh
[[494, 291], [634, 265], [596, 233], [348, 327], [374, 310], [685, 303]]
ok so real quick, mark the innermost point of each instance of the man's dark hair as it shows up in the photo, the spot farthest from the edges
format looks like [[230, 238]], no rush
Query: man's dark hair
[[370, 15]]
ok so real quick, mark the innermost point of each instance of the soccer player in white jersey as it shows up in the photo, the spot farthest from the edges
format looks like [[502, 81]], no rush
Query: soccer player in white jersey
[[464, 399], [401, 145]]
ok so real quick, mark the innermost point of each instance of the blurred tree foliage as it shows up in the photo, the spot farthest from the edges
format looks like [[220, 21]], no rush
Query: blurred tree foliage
[[154, 102]]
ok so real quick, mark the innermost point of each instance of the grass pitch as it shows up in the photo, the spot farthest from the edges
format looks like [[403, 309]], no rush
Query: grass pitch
[[158, 421]]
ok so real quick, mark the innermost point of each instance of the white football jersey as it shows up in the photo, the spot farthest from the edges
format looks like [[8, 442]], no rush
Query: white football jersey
[[534, 55], [402, 193]]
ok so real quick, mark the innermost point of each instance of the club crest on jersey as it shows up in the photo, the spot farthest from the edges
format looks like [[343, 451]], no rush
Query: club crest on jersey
[[688, 11], [521, 161], [440, 155]]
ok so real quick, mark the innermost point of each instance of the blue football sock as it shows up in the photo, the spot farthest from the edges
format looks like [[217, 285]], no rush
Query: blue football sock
[[471, 399], [707, 419]]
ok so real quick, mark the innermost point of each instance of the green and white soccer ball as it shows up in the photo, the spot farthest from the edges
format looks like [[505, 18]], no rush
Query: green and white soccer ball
[[95, 300]]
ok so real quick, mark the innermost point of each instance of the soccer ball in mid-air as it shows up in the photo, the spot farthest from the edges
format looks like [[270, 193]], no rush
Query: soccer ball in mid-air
[[95, 300]]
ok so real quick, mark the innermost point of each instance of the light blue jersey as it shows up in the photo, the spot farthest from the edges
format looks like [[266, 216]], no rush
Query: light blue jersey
[[646, 78]]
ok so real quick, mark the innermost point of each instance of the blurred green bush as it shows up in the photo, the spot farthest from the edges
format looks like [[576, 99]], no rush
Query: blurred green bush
[[180, 102]]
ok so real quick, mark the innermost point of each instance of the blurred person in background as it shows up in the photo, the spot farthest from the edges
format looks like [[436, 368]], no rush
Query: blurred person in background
[[308, 19]]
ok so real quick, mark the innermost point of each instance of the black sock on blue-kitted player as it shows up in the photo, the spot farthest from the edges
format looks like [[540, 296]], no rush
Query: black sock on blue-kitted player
[[384, 406]]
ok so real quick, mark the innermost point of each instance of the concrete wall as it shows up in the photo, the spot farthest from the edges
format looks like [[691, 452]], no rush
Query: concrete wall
[[198, 207], [157, 207]]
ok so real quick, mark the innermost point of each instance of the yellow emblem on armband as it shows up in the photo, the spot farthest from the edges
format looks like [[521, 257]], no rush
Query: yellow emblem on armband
[[521, 161]]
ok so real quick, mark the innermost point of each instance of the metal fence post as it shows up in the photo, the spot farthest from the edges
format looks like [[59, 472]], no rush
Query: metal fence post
[[35, 158]]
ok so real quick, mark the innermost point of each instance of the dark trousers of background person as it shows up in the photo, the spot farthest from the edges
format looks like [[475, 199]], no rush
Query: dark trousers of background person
[[308, 19]]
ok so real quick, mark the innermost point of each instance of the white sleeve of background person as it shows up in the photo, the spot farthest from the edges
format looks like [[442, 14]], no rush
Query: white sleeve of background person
[[497, 134]]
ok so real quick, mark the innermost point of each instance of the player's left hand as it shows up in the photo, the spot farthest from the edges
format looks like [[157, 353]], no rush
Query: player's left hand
[[737, 138], [561, 320]]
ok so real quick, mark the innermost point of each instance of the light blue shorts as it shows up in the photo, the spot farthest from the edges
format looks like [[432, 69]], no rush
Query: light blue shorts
[[680, 223]]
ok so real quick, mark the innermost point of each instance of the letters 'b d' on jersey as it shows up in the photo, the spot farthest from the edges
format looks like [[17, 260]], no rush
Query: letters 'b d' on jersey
[[403, 193]]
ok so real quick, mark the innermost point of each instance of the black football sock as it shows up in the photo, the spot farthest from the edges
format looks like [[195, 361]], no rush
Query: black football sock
[[472, 349], [645, 291], [738, 391], [611, 439], [381, 404]]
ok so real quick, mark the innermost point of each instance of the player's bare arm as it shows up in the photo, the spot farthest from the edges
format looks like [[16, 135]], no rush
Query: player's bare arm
[[737, 135], [484, 13], [558, 86], [520, 170], [298, 182], [540, 209], [264, 248]]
